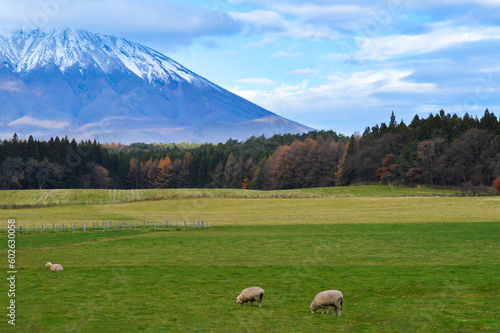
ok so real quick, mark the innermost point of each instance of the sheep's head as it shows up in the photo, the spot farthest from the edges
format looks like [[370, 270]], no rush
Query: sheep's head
[[313, 307], [238, 300], [48, 264]]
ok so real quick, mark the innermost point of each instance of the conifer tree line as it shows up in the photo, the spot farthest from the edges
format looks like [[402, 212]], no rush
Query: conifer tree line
[[442, 149]]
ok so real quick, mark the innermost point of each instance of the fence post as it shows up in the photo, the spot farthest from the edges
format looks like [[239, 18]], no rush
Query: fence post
[[42, 228], [20, 229], [54, 227], [144, 223], [166, 224], [130, 225], [202, 225], [109, 224], [33, 227], [118, 226], [73, 227], [63, 226], [104, 226], [154, 226], [84, 227]]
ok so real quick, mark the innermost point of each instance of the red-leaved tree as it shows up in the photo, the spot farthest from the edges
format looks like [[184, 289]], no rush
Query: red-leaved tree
[[496, 183]]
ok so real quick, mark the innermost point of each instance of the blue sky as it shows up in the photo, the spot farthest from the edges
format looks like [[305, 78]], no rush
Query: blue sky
[[340, 65]]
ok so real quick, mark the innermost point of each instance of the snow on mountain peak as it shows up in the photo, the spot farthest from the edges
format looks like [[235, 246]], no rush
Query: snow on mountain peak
[[26, 50]]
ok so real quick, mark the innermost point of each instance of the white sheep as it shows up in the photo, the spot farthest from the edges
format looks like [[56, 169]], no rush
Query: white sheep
[[54, 267], [326, 299], [250, 295]]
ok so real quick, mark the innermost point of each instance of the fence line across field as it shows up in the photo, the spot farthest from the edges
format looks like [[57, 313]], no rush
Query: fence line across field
[[115, 225], [225, 195]]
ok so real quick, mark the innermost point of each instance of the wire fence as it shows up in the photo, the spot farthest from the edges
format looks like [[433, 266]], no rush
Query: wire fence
[[111, 226], [285, 195]]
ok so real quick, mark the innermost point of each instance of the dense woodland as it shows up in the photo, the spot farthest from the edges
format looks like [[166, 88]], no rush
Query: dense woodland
[[440, 150]]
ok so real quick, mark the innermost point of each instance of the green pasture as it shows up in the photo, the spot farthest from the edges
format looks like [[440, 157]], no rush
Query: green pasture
[[405, 263], [427, 277]]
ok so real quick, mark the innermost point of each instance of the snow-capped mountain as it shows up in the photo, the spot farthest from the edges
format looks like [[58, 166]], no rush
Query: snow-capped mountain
[[91, 86]]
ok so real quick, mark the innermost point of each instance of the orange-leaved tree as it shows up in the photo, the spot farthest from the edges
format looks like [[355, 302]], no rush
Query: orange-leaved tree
[[387, 172], [164, 176]]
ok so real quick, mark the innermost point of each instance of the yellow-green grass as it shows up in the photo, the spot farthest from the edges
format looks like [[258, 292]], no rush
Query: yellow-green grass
[[274, 211], [412, 277], [78, 196]]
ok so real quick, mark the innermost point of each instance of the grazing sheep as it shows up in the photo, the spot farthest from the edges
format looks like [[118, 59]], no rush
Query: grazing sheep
[[326, 299], [54, 267], [250, 295]]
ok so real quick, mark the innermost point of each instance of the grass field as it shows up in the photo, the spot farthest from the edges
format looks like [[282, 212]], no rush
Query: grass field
[[274, 211], [76, 196], [404, 264]]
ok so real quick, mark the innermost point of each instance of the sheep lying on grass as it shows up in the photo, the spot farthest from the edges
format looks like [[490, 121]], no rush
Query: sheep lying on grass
[[54, 267], [326, 299], [250, 295]]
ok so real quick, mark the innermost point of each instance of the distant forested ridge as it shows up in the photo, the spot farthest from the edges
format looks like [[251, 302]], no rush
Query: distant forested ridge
[[441, 149]]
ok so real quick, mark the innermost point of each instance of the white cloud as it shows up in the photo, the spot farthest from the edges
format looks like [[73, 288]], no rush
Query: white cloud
[[282, 54], [313, 10], [27, 120], [385, 47], [334, 56], [266, 41], [342, 91], [266, 21], [260, 19], [129, 18], [305, 71], [257, 81]]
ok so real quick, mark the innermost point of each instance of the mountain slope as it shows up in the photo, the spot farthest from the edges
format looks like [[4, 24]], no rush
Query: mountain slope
[[91, 86]]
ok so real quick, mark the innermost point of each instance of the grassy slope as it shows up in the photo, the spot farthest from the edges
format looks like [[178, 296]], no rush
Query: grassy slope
[[230, 211], [395, 277], [34, 197]]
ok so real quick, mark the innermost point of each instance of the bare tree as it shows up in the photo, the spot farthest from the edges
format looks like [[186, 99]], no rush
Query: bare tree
[[11, 172], [43, 171]]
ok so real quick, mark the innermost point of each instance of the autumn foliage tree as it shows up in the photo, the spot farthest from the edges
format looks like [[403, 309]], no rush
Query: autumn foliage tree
[[387, 172], [164, 176], [496, 184]]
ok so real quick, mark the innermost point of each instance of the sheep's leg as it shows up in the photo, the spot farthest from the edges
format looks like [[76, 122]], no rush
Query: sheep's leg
[[322, 310], [338, 308], [252, 303], [260, 304], [327, 310]]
